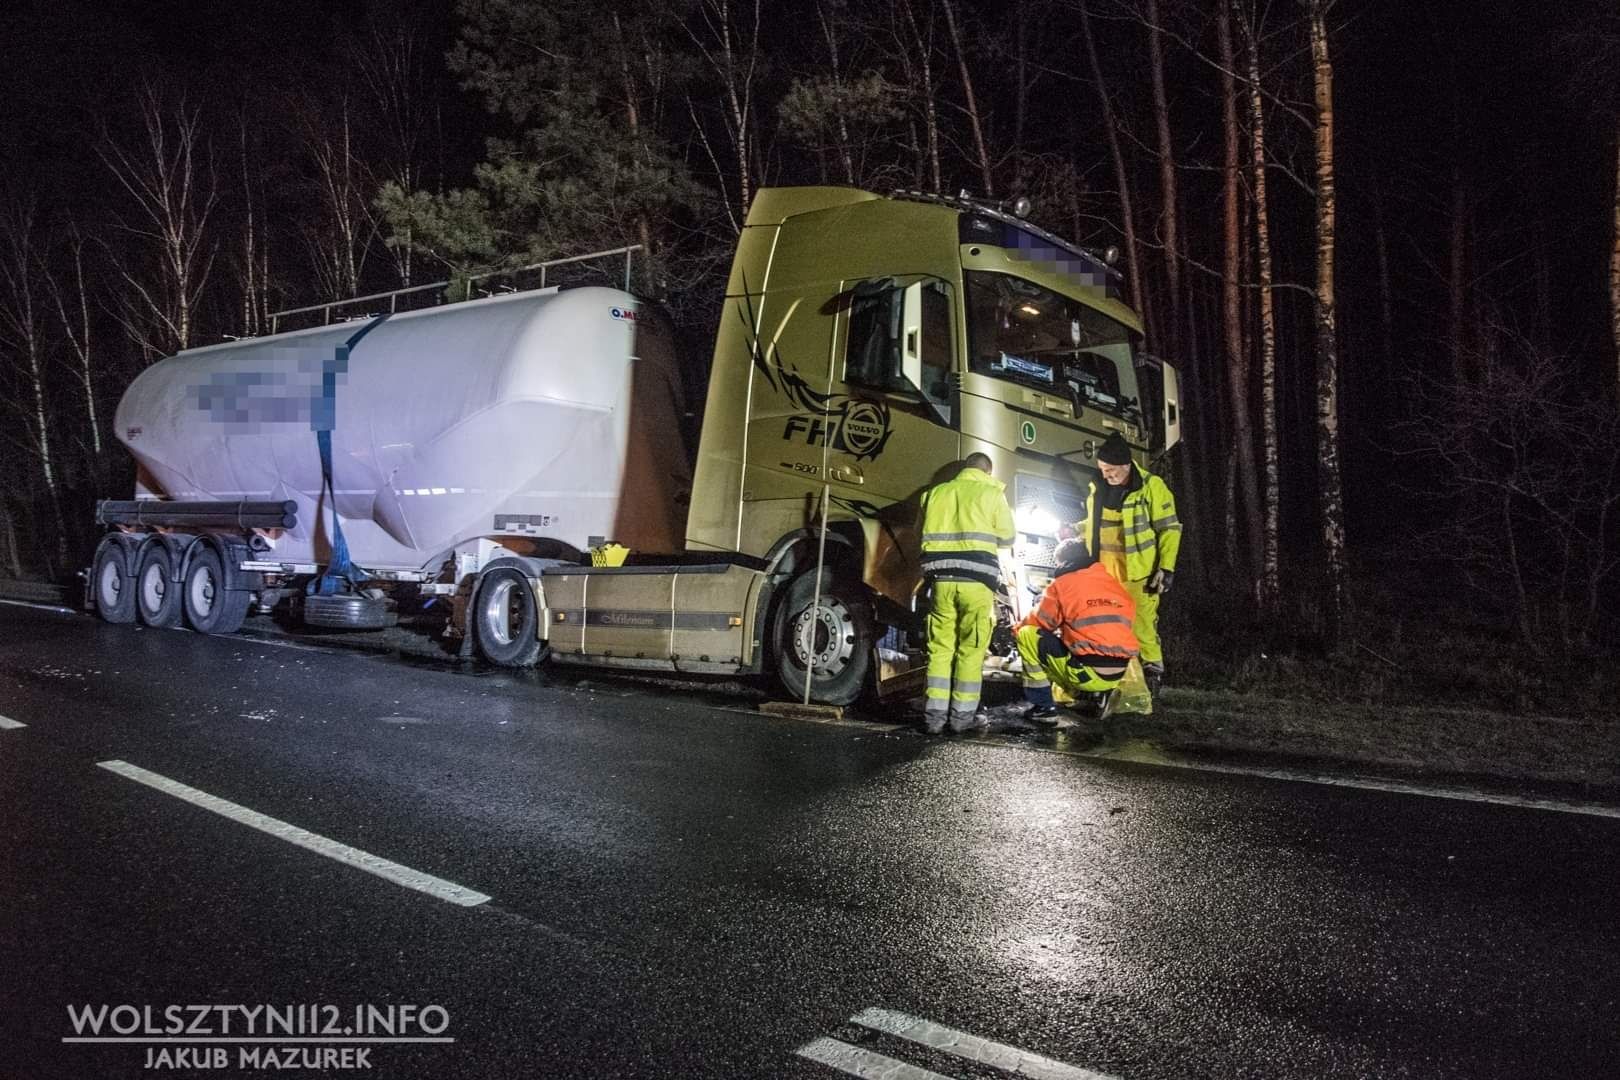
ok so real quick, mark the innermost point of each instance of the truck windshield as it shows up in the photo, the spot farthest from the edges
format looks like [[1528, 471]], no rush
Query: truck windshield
[[1028, 334]]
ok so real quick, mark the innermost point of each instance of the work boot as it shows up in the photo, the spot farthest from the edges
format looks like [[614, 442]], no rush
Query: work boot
[[1110, 701], [961, 722], [933, 723], [1042, 716]]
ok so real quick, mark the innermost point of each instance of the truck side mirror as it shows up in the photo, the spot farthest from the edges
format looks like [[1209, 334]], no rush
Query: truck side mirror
[[1170, 419]]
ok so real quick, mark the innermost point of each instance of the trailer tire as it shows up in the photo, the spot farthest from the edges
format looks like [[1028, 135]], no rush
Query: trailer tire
[[505, 619], [838, 659], [111, 584], [158, 600], [348, 612], [210, 607]]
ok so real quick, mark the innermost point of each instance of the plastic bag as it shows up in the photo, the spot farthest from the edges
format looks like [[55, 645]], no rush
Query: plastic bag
[[1134, 696]]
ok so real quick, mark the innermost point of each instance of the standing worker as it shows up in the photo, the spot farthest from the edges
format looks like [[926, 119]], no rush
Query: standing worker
[[1130, 524], [965, 520], [1079, 636]]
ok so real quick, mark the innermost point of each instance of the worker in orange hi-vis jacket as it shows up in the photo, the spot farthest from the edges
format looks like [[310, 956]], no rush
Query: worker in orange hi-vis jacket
[[1079, 636]]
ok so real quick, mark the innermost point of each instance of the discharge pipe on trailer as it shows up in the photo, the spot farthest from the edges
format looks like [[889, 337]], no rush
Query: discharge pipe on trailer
[[215, 515]]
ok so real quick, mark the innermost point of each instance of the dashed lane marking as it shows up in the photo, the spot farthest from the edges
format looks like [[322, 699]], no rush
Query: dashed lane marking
[[8, 724], [984, 1053], [864, 1063], [40, 607], [332, 849], [972, 1048]]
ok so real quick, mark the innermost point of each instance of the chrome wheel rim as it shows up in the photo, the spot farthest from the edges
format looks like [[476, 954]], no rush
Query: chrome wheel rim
[[501, 615], [824, 637]]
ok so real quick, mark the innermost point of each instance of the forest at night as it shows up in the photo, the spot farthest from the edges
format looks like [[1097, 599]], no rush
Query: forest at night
[[1380, 241]]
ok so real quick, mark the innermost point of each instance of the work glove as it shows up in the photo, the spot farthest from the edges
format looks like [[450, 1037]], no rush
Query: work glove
[[1159, 581]]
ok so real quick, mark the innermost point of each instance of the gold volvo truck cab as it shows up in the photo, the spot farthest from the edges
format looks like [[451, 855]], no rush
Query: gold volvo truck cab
[[866, 345]]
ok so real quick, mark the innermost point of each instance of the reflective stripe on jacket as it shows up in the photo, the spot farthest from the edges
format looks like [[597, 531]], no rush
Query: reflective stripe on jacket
[[964, 521], [1090, 611], [1150, 532]]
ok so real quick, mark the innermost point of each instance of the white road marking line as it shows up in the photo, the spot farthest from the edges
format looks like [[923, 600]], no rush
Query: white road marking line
[[40, 606], [1526, 802], [8, 724], [1158, 758], [343, 853], [972, 1047], [864, 1063]]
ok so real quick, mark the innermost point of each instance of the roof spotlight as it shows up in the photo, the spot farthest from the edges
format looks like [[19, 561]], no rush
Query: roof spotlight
[[1021, 206], [1111, 254]]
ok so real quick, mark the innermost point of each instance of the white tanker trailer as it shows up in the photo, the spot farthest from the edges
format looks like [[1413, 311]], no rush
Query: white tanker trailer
[[547, 420], [475, 451]]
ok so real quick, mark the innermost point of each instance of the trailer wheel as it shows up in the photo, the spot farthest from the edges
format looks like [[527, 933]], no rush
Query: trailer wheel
[[211, 608], [505, 619], [831, 645], [348, 612], [157, 597], [114, 589]]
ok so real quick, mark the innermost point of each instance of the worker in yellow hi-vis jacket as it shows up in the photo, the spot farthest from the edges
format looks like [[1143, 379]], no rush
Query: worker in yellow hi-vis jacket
[[1130, 523], [965, 521]]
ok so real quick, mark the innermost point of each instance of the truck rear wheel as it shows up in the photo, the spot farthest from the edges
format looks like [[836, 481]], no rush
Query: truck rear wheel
[[211, 608], [114, 589], [830, 644], [505, 619], [157, 597]]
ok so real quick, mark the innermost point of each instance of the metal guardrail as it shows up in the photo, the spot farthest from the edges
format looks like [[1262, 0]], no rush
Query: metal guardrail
[[393, 295]]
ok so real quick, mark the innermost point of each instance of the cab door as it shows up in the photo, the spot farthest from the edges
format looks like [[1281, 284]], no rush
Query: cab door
[[896, 357]]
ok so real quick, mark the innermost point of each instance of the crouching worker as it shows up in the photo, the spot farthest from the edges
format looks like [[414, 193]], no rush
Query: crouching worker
[[1079, 636]]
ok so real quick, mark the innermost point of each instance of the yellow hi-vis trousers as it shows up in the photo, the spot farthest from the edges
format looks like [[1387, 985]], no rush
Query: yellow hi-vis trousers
[[960, 619], [1048, 666], [1147, 622]]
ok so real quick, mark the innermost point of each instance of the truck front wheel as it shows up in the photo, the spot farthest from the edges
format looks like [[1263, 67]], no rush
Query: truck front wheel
[[830, 643], [505, 619]]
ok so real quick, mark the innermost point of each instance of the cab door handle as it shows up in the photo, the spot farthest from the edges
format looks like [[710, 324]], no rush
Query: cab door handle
[[848, 474]]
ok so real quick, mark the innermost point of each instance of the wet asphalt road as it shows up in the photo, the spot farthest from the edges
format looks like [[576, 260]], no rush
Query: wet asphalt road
[[680, 890]]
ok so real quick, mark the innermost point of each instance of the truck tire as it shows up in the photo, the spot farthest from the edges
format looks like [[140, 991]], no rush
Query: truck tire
[[505, 620], [210, 607], [836, 646], [111, 585], [348, 612], [157, 597]]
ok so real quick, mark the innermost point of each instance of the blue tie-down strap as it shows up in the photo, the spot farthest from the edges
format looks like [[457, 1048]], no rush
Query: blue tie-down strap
[[341, 574]]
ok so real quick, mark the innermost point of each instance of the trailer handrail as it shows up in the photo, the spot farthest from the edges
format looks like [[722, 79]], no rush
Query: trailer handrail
[[393, 295]]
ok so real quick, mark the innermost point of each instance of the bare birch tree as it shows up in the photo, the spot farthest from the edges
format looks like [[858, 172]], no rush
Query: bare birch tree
[[22, 335], [1330, 496], [1170, 218], [73, 310], [975, 122], [731, 50], [1237, 354], [916, 49], [1270, 582], [1133, 264], [169, 177], [339, 244]]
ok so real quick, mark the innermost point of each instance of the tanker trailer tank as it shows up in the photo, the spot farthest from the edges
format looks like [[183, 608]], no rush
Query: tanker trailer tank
[[542, 419]]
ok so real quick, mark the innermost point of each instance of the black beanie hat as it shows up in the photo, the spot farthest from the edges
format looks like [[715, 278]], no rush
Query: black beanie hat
[[1114, 450]]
